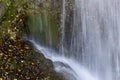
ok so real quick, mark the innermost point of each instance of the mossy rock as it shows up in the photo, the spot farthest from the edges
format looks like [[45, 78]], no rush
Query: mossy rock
[[47, 29]]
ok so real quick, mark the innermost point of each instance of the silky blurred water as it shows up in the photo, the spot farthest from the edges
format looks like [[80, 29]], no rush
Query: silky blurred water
[[94, 51], [96, 36]]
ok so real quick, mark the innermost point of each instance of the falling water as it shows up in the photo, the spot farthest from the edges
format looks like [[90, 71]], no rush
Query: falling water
[[68, 67], [62, 27], [95, 41], [96, 36]]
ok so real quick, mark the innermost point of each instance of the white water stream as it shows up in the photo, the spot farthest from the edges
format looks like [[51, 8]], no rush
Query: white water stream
[[70, 68], [94, 52]]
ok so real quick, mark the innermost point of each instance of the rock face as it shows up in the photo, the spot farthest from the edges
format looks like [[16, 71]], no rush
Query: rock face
[[46, 28], [68, 22], [45, 19], [18, 60], [42, 21]]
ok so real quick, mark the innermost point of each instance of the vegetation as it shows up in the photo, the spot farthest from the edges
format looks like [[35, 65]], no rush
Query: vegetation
[[18, 59]]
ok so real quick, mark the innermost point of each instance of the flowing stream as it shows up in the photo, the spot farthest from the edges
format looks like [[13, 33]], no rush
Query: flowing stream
[[94, 52], [70, 68]]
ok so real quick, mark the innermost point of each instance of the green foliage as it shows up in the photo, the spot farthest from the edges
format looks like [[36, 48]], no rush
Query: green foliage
[[11, 9], [12, 22], [18, 60], [14, 64], [1, 1]]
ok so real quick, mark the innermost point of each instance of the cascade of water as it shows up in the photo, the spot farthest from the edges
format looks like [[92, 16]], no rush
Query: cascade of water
[[76, 40], [96, 36], [62, 27], [95, 40], [70, 68]]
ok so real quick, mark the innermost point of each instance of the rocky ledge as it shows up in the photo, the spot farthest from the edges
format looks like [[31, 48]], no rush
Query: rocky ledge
[[19, 61]]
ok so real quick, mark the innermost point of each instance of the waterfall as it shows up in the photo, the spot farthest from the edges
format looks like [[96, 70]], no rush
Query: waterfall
[[68, 67], [94, 52], [62, 27], [96, 37]]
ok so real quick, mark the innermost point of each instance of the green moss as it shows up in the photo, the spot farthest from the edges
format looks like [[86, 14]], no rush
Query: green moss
[[54, 29], [44, 24]]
